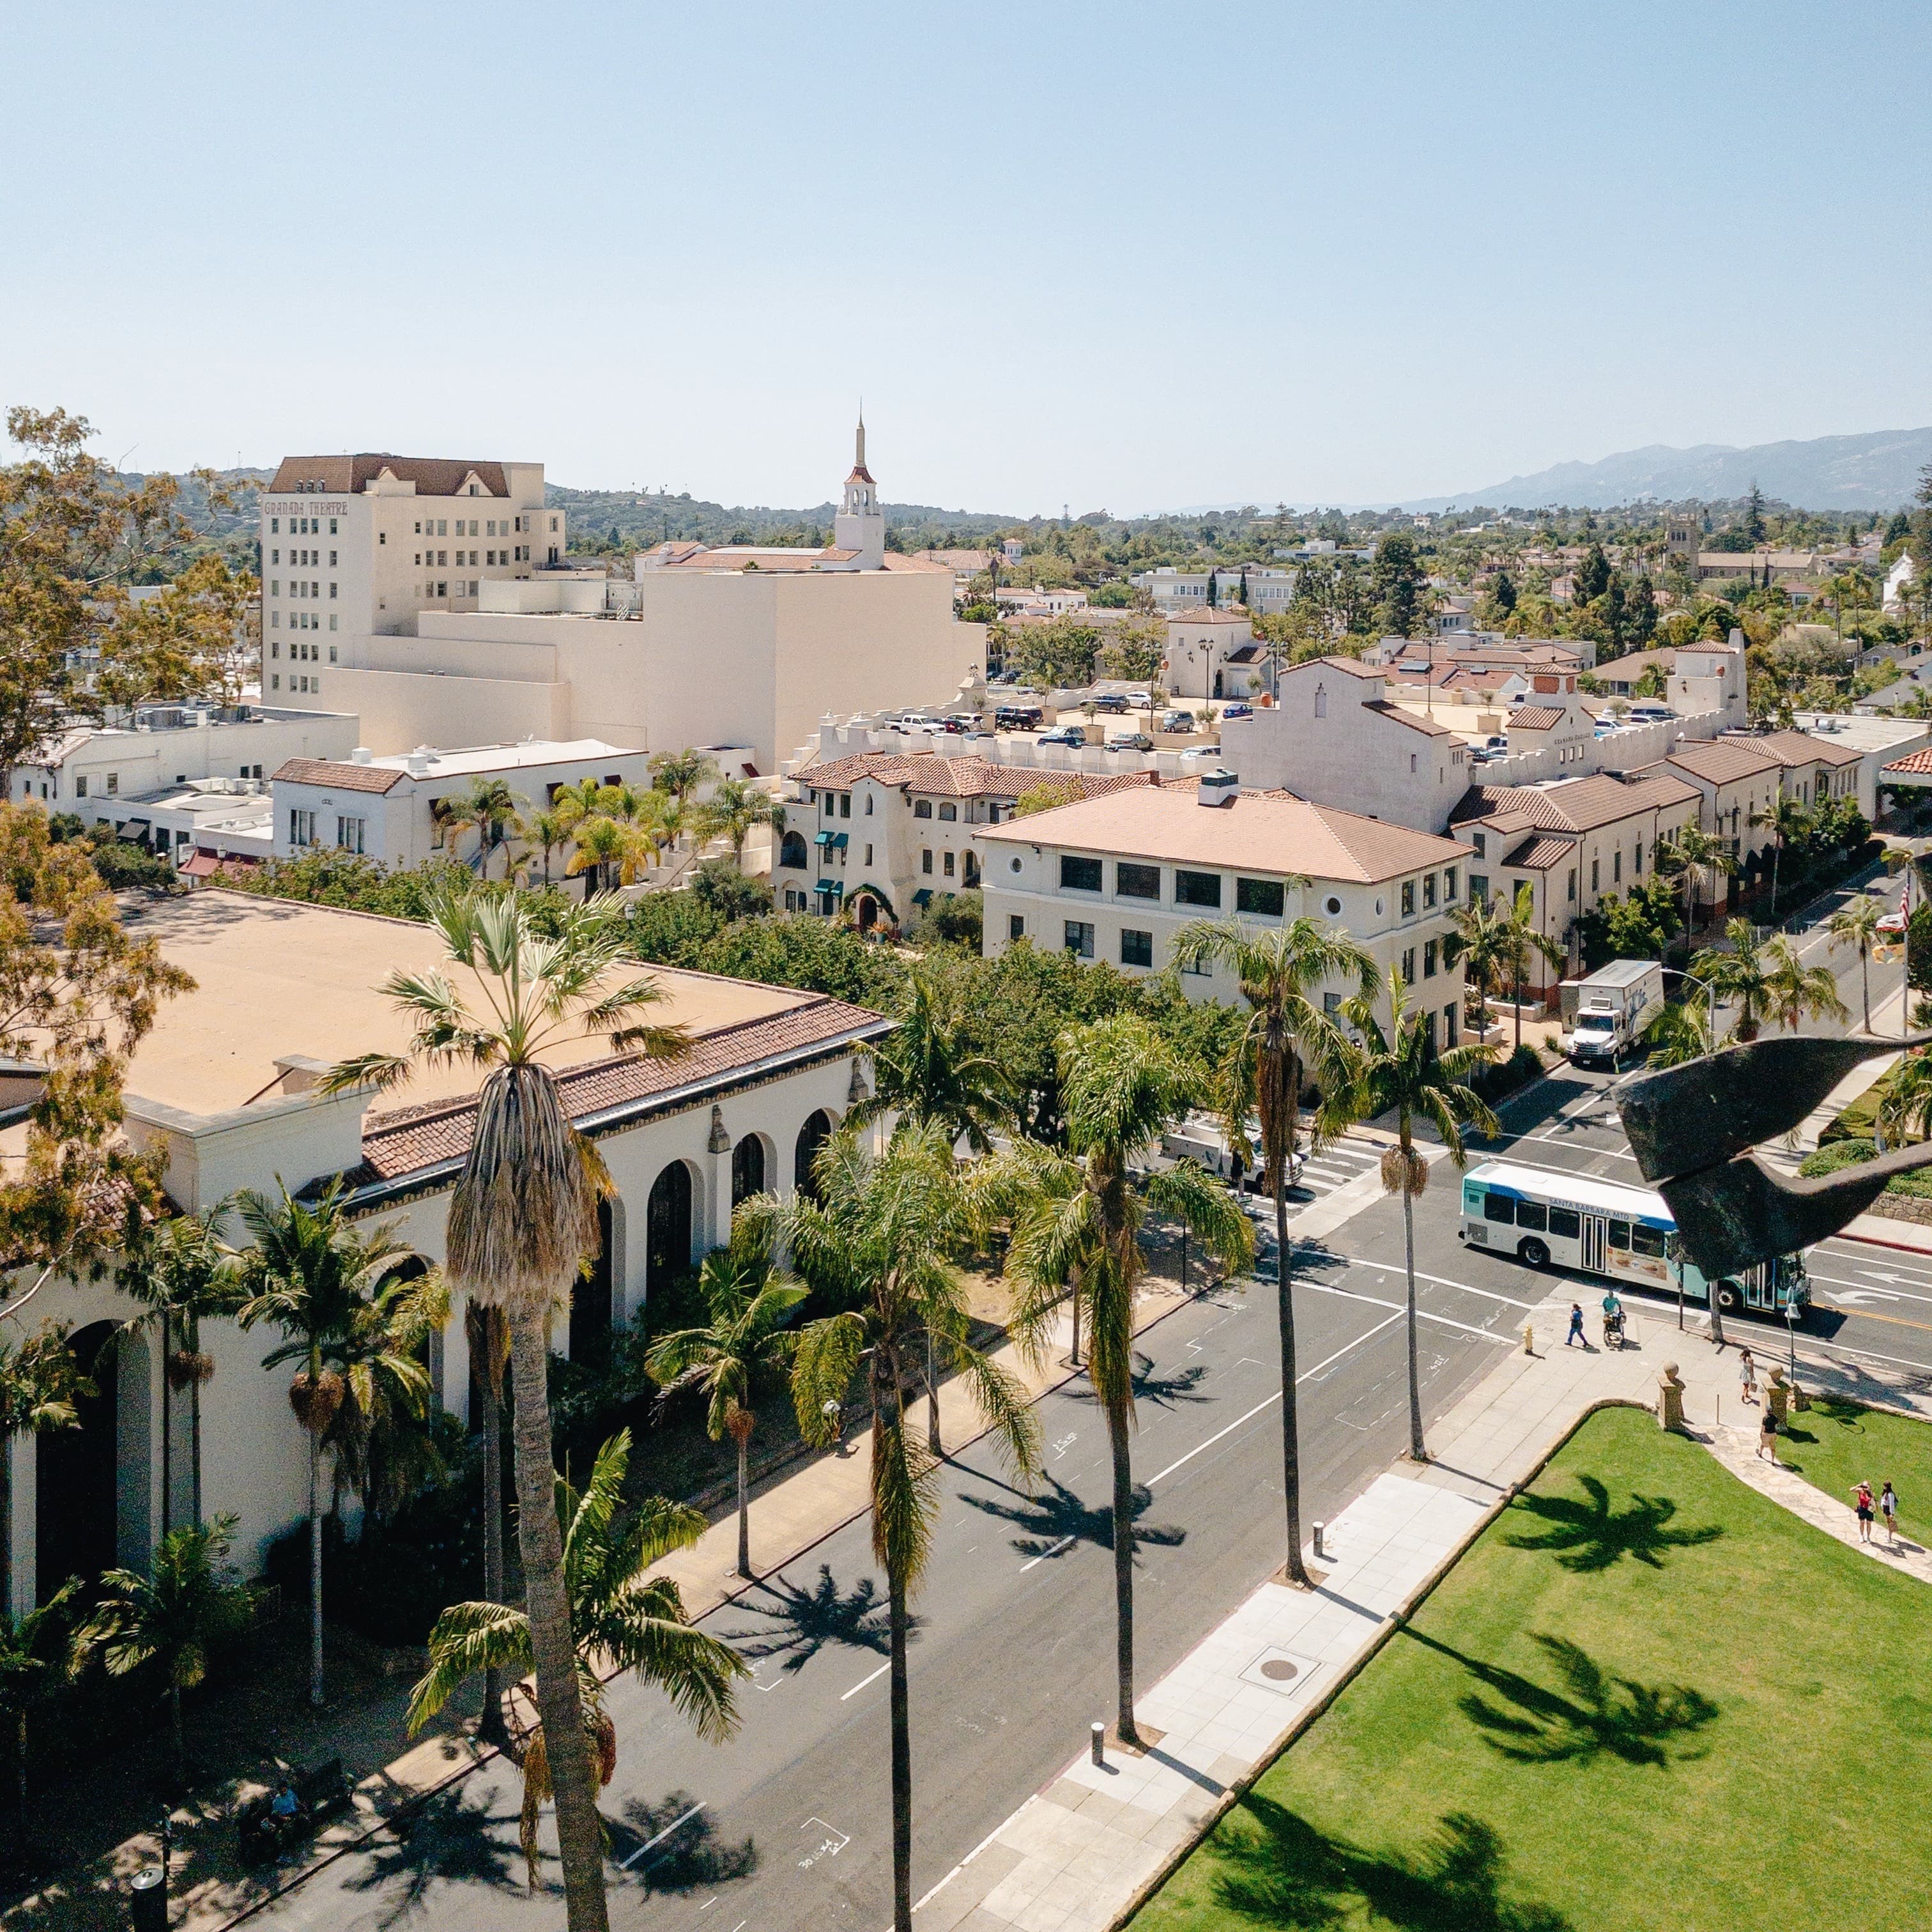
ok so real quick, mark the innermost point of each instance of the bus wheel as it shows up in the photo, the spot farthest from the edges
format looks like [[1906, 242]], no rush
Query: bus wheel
[[1536, 1253], [1727, 1296]]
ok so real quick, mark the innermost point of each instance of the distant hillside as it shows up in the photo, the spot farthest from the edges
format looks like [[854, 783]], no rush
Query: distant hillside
[[1876, 472], [645, 518]]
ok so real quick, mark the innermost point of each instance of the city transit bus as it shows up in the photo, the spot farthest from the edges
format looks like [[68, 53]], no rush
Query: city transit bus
[[1596, 1227]]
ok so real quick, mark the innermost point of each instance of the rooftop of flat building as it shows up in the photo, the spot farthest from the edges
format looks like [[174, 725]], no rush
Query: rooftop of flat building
[[374, 774], [278, 978]]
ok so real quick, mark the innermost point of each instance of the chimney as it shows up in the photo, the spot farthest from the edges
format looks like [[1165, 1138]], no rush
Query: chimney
[[1153, 775], [1220, 787]]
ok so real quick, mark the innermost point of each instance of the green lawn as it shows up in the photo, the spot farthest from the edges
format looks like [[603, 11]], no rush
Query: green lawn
[[1647, 1698], [1834, 1443]]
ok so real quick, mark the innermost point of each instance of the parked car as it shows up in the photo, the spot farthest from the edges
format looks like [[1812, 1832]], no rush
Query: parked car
[[1177, 721], [1112, 702], [1129, 741], [1142, 699], [1018, 717], [1238, 711], [1651, 714], [1067, 734]]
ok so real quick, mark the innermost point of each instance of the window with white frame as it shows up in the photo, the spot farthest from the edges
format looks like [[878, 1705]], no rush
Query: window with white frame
[[349, 833]]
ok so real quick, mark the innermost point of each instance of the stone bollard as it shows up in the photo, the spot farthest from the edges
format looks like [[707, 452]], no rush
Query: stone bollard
[[1528, 1339], [1800, 1401], [1777, 1395], [1670, 1398]]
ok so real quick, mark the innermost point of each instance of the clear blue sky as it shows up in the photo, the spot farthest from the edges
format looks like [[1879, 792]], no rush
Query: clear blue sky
[[1118, 256]]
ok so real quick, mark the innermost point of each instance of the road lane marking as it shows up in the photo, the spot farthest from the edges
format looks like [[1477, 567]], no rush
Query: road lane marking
[[876, 1675], [661, 1836], [1865, 1288], [1422, 1314], [1443, 1280], [1025, 1567]]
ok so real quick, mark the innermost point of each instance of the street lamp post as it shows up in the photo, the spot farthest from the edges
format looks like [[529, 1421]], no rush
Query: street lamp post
[[1710, 992]]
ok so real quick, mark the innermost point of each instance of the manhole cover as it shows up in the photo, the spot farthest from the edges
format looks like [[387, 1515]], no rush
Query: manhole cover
[[1278, 1670]]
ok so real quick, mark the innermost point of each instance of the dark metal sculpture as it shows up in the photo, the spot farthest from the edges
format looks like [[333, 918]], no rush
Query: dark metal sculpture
[[1692, 1128]]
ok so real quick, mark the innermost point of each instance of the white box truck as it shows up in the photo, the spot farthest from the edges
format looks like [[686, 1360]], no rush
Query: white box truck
[[1604, 1014]]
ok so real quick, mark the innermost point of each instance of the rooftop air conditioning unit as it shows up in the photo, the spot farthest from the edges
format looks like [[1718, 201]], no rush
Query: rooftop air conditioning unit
[[1218, 787]]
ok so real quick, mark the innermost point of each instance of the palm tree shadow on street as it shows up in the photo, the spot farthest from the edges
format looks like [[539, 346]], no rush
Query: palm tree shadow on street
[[689, 1852], [804, 1621], [1163, 1390], [1281, 1871], [1586, 1535], [447, 1839], [1601, 1716], [1047, 1520]]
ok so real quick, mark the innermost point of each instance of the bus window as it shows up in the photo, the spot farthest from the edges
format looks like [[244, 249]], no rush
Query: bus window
[[1566, 1222], [1531, 1214], [1647, 1241], [1620, 1234], [1498, 1208]]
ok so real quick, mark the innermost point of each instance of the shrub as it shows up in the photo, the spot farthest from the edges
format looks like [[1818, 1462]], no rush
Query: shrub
[[1502, 1078], [953, 919]]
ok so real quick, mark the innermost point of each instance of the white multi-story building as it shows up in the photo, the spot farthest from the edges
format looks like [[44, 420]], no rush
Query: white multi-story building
[[391, 808], [1269, 591], [1116, 878]]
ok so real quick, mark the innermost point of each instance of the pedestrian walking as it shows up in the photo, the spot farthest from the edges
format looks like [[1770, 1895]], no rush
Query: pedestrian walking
[[1747, 1376], [1861, 1500], [1767, 1437], [1888, 1504], [1576, 1333]]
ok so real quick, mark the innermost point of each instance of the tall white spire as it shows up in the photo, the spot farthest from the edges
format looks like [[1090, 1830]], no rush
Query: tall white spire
[[858, 460], [860, 525]]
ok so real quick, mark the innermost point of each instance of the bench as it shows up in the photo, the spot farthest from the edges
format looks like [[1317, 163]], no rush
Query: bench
[[320, 1792]]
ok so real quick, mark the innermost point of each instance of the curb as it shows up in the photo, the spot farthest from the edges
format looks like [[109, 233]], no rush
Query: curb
[[1397, 1620]]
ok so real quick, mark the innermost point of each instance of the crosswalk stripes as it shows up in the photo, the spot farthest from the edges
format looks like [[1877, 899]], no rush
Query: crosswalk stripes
[[1321, 1174]]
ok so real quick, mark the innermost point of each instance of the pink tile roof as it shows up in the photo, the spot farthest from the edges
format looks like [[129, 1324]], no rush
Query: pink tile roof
[[928, 772]]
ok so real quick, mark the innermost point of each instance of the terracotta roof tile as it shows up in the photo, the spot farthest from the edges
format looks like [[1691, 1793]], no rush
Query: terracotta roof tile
[[1573, 805], [433, 475], [1540, 853], [1415, 720], [338, 775], [1801, 748], [1914, 764], [1717, 760], [1536, 717], [927, 772]]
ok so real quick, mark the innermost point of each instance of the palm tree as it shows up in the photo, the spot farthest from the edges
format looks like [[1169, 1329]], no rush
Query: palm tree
[[1519, 941], [1401, 1072], [1799, 992], [1076, 1223], [1677, 1034], [310, 1273], [491, 807], [180, 1271], [1905, 1107], [680, 773], [1281, 974], [745, 1342], [606, 850], [523, 1216], [924, 1073], [384, 1448], [1689, 852], [1737, 972], [33, 1655], [876, 1243], [547, 831], [190, 1604], [1788, 822], [488, 1336], [1483, 947], [1856, 923], [623, 1618], [736, 808]]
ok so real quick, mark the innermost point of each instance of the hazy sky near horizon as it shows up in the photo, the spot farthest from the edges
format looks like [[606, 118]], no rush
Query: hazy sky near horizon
[[1128, 256]]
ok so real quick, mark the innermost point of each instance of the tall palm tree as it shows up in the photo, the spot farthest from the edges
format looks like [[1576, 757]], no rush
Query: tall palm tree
[[610, 854], [1799, 992], [878, 1242], [1281, 973], [1856, 923], [385, 1448], [523, 1216], [623, 1618], [924, 1073], [735, 809], [1738, 972], [491, 807], [487, 1334], [1690, 852], [549, 830], [311, 1272], [1400, 1071], [190, 1603], [1520, 941], [1076, 1222], [33, 1655], [1905, 1107], [181, 1272], [1788, 823], [1483, 947], [744, 1344], [1678, 1033]]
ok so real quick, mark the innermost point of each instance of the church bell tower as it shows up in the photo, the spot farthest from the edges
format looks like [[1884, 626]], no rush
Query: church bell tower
[[860, 524]]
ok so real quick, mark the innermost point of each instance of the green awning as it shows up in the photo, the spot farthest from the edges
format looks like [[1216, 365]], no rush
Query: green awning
[[841, 840], [828, 886], [823, 839], [923, 897]]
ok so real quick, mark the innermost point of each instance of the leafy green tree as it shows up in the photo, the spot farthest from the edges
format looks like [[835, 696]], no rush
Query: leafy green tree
[[1503, 591], [34, 1656], [744, 1345], [680, 773], [549, 831], [1593, 575], [1399, 1070], [1687, 855], [1281, 973], [1855, 924], [719, 885], [313, 1272], [1641, 620], [189, 1606], [623, 1619], [1753, 520], [523, 1216], [925, 1074], [877, 1244], [1401, 584], [1905, 1106], [1076, 1222]]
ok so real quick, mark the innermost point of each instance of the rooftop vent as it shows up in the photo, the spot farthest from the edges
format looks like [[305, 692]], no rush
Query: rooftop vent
[[1219, 787], [362, 755]]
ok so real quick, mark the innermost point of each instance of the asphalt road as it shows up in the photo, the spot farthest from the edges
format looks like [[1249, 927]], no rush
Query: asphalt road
[[787, 1825]]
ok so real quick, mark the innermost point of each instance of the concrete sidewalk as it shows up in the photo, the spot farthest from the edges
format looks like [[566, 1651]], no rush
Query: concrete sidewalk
[[1082, 1853]]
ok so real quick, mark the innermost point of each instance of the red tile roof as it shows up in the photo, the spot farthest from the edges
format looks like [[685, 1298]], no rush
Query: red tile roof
[[1539, 853], [1801, 748], [433, 475], [411, 1140], [1536, 717], [1573, 805], [1717, 760], [1914, 764], [338, 775], [928, 772]]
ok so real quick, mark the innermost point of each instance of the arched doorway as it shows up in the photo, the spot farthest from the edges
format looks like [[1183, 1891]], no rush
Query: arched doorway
[[972, 870], [668, 1228], [748, 1169], [813, 1136], [77, 1492], [590, 1300], [865, 912]]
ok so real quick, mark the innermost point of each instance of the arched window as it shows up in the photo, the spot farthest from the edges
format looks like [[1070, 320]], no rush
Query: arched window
[[668, 1228], [792, 851], [949, 811], [75, 1475], [748, 1169], [813, 1136]]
